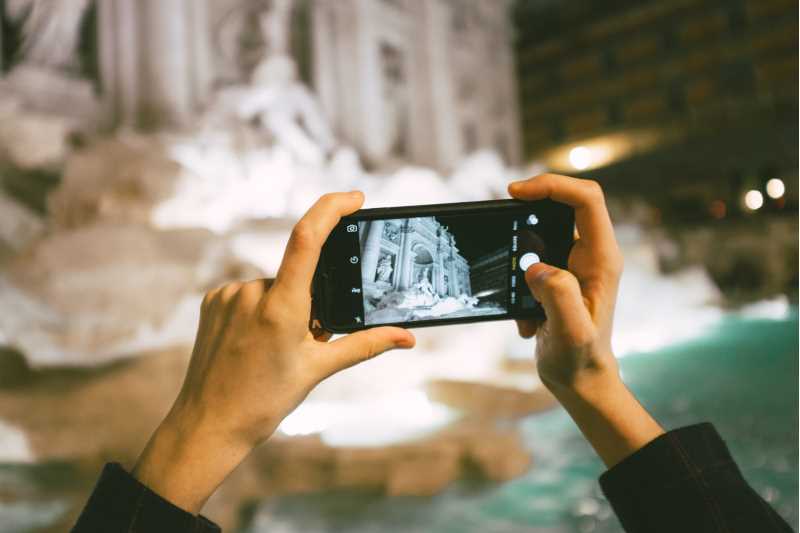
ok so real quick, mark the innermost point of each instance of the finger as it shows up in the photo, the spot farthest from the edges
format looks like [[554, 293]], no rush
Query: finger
[[560, 294], [308, 236], [251, 292], [363, 345], [585, 196], [228, 292], [527, 328]]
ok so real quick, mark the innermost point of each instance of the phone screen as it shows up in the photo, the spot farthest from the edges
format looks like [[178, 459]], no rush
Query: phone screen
[[443, 268]]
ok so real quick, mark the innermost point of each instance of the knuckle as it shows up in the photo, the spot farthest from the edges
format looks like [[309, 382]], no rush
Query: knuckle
[[229, 291], [559, 280], [302, 234], [207, 298], [210, 298], [328, 197], [271, 311], [594, 190]]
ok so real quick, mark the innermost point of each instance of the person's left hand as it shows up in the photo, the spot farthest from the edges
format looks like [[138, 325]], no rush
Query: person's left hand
[[254, 360]]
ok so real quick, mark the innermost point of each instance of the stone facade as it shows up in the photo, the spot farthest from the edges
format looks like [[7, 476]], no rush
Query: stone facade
[[428, 82], [397, 254], [401, 80]]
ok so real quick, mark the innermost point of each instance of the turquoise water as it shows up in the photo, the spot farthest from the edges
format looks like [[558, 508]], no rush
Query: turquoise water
[[742, 376]]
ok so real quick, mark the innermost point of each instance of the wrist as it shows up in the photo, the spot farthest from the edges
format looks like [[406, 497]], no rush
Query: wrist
[[588, 384], [608, 414], [184, 462]]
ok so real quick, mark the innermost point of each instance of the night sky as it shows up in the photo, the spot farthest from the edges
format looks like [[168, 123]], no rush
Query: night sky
[[478, 235]]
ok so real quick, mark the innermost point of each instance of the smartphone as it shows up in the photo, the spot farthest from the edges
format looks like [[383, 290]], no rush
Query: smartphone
[[438, 264]]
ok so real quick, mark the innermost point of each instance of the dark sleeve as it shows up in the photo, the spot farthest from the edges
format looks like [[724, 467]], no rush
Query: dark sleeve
[[687, 481], [120, 503]]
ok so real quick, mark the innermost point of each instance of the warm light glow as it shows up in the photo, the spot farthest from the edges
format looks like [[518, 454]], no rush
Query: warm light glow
[[753, 200], [775, 188], [581, 158], [718, 209]]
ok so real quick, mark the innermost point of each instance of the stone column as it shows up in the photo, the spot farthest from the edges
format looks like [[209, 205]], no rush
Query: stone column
[[438, 131], [408, 256], [370, 77], [166, 95], [372, 249], [155, 60], [454, 288], [439, 270]]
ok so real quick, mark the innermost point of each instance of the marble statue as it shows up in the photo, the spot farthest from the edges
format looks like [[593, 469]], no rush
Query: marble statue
[[384, 271], [275, 25], [275, 99]]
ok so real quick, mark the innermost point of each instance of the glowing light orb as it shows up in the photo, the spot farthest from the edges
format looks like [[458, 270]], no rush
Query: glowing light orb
[[580, 157], [753, 200], [775, 188]]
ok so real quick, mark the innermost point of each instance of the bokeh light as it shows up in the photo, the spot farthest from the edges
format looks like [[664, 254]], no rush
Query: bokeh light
[[581, 157], [753, 200], [776, 188]]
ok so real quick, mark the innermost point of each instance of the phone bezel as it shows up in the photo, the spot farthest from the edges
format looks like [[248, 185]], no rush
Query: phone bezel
[[323, 311]]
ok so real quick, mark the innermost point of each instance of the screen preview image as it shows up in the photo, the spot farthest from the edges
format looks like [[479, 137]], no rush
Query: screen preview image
[[443, 267]]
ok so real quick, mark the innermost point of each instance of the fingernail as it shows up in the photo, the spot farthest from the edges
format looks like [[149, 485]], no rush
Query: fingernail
[[356, 194]]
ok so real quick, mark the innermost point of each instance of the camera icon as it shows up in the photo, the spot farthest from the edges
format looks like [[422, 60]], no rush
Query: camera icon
[[352, 228]]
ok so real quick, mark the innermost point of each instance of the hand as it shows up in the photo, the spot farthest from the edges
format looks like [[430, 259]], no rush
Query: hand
[[254, 360], [573, 352], [574, 343]]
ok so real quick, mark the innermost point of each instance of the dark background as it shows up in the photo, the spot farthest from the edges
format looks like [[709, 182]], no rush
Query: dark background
[[478, 235]]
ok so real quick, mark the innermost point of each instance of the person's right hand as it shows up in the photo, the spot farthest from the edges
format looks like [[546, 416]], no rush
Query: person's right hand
[[574, 343], [573, 352]]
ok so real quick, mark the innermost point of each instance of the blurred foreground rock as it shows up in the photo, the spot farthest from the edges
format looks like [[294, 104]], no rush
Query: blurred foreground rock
[[33, 140], [748, 261], [117, 179], [490, 401], [89, 295], [19, 226], [72, 419], [469, 449]]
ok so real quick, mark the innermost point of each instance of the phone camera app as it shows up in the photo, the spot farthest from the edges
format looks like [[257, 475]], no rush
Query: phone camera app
[[430, 268]]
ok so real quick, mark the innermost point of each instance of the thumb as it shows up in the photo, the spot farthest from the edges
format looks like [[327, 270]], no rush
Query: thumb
[[560, 294], [362, 345]]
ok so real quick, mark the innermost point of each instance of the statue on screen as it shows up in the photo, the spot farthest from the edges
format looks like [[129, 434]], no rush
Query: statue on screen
[[384, 271], [424, 285]]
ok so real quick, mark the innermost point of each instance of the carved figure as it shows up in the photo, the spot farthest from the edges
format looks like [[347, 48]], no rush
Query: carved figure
[[385, 269]]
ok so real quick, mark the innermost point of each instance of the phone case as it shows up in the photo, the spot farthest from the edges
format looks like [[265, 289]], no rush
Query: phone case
[[462, 208]]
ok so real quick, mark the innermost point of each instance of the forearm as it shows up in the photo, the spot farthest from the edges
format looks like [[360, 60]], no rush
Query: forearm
[[608, 415]]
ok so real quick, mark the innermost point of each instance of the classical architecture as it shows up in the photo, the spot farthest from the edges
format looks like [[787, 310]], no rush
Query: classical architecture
[[398, 255], [427, 81], [414, 81]]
